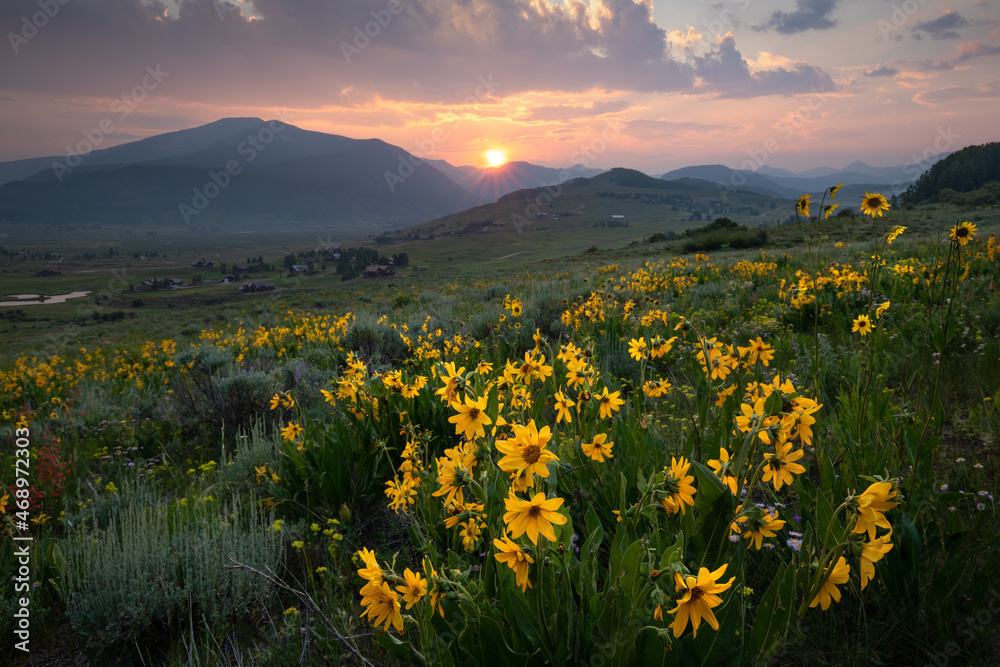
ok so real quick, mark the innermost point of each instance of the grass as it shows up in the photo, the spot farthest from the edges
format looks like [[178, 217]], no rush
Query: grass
[[460, 282]]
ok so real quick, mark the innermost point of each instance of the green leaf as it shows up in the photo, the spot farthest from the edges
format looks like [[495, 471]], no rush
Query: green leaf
[[774, 615], [494, 648], [402, 651]]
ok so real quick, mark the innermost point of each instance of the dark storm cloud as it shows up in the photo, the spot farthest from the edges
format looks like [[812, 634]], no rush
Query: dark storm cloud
[[808, 15], [944, 26]]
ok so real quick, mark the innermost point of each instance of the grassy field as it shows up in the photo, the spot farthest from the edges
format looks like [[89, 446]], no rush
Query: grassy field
[[802, 437]]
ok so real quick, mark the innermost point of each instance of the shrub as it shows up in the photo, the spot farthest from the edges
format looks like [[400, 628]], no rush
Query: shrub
[[154, 564]]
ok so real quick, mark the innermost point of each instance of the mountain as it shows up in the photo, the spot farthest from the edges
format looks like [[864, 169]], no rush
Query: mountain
[[738, 180], [963, 171], [488, 185], [237, 171], [773, 182], [856, 173], [20, 169]]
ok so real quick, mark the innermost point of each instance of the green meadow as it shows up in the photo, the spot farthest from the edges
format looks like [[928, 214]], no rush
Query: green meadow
[[551, 440]]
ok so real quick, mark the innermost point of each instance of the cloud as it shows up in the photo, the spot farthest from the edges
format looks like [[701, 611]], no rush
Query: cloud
[[808, 15], [311, 53], [942, 27], [882, 70], [726, 73], [670, 126], [965, 51], [951, 94], [571, 111]]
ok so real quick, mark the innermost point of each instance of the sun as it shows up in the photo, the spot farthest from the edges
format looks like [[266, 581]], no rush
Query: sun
[[495, 157]]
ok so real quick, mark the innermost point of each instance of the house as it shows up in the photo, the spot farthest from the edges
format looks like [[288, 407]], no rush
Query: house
[[253, 288], [44, 273], [299, 268], [379, 271], [618, 217], [202, 264], [173, 282], [228, 278]]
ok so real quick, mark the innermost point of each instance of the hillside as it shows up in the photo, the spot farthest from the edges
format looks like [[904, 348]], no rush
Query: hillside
[[963, 171], [244, 171]]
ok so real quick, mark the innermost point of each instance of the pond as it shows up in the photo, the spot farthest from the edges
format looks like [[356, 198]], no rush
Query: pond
[[34, 299]]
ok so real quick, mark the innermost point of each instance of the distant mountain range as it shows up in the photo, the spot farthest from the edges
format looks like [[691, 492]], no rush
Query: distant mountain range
[[256, 173], [235, 170], [857, 178]]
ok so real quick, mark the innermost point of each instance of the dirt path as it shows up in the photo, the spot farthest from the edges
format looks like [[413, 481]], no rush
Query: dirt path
[[523, 252]]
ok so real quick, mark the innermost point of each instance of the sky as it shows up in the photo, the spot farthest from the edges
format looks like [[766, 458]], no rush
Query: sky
[[655, 86]]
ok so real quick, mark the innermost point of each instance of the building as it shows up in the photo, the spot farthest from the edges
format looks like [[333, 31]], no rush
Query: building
[[45, 273], [379, 271], [253, 288]]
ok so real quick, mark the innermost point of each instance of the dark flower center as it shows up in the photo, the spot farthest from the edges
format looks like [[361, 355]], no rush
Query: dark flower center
[[535, 511], [531, 454]]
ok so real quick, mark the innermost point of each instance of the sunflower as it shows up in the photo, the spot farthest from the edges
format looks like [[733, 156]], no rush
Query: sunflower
[[802, 205], [471, 530], [599, 448], [862, 324], [430, 573], [838, 576], [894, 233], [371, 570], [414, 588], [751, 417], [526, 452], [758, 529], [678, 486], [781, 464], [835, 189], [962, 233], [562, 406], [610, 403], [871, 504], [874, 204], [515, 557], [470, 418], [637, 348], [723, 469], [291, 432], [871, 554], [383, 605], [533, 517], [700, 596]]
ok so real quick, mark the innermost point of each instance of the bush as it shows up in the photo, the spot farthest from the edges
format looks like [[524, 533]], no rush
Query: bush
[[155, 564], [375, 343]]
